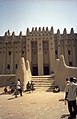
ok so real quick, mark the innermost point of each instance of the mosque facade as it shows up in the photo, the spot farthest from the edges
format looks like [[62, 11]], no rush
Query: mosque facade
[[40, 46]]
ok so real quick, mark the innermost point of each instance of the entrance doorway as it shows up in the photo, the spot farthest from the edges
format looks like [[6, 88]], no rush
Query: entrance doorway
[[46, 70], [35, 71]]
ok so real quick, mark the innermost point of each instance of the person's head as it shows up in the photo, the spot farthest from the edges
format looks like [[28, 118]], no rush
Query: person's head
[[66, 79], [18, 79], [57, 86], [28, 82], [71, 79]]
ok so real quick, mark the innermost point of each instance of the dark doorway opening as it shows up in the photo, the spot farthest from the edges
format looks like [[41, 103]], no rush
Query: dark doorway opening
[[35, 71], [46, 70]]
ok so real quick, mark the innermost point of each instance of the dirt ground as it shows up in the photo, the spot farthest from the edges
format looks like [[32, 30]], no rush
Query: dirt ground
[[34, 105]]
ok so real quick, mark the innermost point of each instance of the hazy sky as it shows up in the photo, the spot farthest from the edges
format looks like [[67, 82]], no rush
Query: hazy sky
[[17, 15]]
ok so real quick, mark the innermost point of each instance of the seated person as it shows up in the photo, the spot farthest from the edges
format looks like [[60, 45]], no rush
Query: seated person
[[56, 89], [5, 89], [28, 86], [13, 87], [32, 86]]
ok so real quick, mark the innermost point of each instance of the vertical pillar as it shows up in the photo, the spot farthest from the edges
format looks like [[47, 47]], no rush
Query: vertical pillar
[[28, 48], [40, 54], [4, 59], [73, 52], [59, 43], [1, 57], [11, 65], [4, 51], [13, 51], [20, 46], [40, 57], [65, 38], [52, 51]]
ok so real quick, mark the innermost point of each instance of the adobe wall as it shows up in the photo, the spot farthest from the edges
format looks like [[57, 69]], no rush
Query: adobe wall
[[23, 72], [62, 71], [7, 80]]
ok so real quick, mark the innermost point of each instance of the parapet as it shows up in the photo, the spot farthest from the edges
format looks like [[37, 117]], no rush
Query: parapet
[[58, 31], [13, 33], [42, 30], [72, 31], [7, 33], [47, 29], [52, 30], [20, 35], [32, 29], [35, 28], [39, 28], [65, 31]]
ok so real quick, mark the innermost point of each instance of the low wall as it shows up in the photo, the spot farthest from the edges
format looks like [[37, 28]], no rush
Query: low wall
[[6, 80], [62, 71]]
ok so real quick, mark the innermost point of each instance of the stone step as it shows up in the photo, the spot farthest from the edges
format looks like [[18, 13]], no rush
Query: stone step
[[49, 89], [43, 77], [44, 85], [43, 82]]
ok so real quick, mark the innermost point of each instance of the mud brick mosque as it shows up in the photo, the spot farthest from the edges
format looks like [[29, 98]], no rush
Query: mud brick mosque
[[41, 47]]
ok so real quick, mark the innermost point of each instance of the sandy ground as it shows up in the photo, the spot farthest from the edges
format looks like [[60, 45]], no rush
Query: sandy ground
[[35, 105]]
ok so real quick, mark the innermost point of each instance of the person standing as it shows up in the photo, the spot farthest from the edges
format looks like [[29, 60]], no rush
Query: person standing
[[70, 96], [19, 88]]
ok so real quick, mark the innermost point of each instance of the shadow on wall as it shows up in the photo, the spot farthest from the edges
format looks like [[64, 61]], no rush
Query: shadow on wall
[[6, 80], [62, 71]]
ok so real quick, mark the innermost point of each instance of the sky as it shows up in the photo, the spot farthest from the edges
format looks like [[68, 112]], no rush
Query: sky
[[18, 15]]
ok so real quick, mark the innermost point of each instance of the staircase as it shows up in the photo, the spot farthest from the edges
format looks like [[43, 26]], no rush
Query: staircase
[[43, 83]]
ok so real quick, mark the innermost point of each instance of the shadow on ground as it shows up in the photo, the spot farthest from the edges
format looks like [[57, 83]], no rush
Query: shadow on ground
[[3, 93], [65, 115]]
